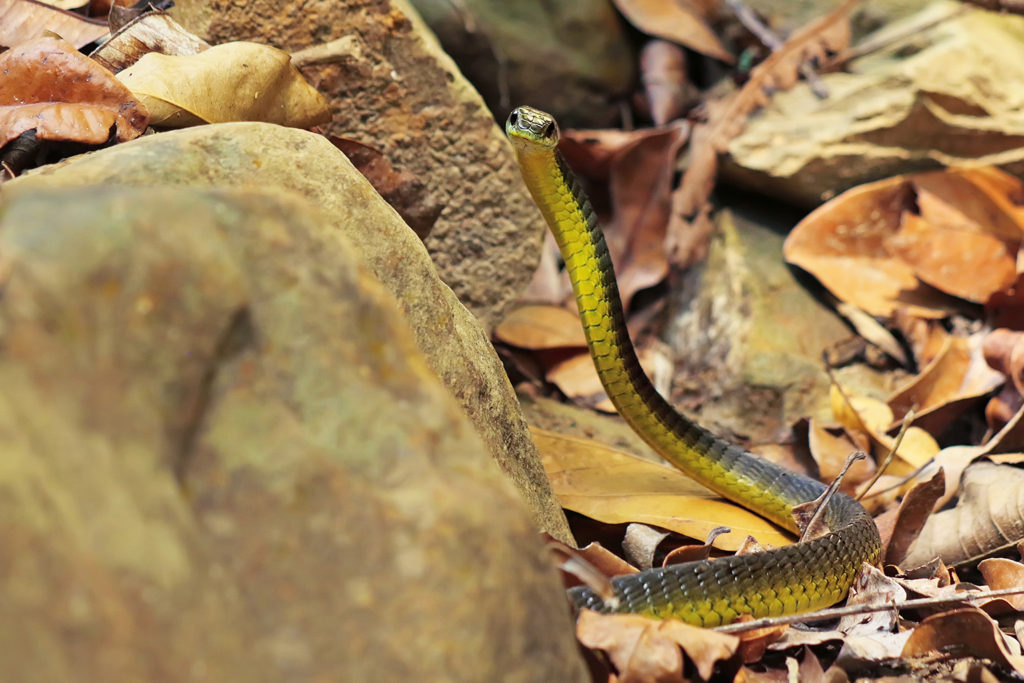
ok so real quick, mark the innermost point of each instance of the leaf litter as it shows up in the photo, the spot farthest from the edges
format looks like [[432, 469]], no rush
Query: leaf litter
[[924, 266]]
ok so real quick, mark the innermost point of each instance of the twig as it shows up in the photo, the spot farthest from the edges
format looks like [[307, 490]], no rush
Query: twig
[[810, 530], [870, 45], [749, 19], [907, 419], [836, 612]]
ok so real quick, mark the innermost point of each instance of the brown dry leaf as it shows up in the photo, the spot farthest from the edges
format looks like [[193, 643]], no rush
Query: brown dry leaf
[[899, 242], [595, 555], [641, 186], [591, 152], [955, 379], [541, 327], [1006, 308], [680, 21], [644, 649], [726, 119], [23, 20], [663, 71], [967, 631], [1001, 573], [150, 32], [51, 87], [1004, 351], [911, 516], [873, 331], [405, 192], [866, 415], [236, 81], [830, 452], [980, 523], [617, 488]]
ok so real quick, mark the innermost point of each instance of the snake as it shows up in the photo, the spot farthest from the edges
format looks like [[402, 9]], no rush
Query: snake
[[808, 575]]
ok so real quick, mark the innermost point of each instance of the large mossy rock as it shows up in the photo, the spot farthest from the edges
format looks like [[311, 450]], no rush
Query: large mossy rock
[[268, 156], [225, 459]]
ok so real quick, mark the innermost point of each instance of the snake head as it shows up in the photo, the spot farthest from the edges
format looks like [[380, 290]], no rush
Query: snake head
[[526, 124]]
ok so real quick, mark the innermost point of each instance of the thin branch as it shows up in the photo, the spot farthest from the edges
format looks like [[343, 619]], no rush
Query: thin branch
[[908, 418], [836, 612]]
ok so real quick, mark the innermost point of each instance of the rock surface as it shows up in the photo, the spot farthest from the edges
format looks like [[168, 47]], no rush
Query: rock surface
[[393, 88], [214, 469], [571, 58], [931, 100], [263, 155]]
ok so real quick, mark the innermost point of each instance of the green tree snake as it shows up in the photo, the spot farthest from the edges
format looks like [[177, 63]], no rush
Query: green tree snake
[[795, 578]]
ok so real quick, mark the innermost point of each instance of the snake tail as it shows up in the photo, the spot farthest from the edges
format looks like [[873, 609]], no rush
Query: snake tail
[[792, 579]]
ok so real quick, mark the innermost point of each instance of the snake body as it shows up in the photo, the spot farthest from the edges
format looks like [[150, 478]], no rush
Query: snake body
[[792, 579]]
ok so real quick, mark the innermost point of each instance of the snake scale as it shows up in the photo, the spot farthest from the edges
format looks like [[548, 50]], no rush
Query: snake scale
[[792, 579]]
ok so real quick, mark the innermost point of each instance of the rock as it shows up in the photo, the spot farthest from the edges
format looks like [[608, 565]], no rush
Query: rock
[[571, 58], [393, 88], [264, 155], [930, 100], [749, 337], [226, 460]]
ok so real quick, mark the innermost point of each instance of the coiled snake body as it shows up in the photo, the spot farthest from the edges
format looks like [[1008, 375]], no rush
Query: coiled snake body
[[792, 579]]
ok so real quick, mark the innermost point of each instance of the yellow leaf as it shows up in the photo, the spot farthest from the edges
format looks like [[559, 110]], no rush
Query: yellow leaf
[[859, 413], [616, 488], [231, 82]]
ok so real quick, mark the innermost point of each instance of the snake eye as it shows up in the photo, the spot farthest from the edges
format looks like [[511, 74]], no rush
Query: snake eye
[[550, 130], [513, 118]]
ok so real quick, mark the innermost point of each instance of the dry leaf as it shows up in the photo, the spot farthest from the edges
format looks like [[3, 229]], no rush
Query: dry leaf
[[911, 516], [895, 243], [617, 488], [830, 452], [150, 32], [236, 81], [541, 327], [679, 21], [663, 71], [726, 119], [641, 185], [644, 649], [967, 631], [51, 87], [980, 523], [866, 415], [23, 20], [1001, 573], [953, 382]]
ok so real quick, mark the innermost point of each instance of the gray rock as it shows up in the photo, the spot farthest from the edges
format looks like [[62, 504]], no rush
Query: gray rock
[[224, 459], [268, 156]]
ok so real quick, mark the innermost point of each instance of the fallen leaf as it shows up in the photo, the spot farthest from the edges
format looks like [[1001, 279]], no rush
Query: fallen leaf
[[644, 649], [541, 327], [727, 118], [911, 516], [24, 20], [680, 21], [236, 81], [150, 32], [1001, 573], [899, 242], [948, 386], [641, 184], [980, 523], [966, 631], [830, 452], [663, 71], [618, 488], [873, 331], [873, 417], [51, 87]]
